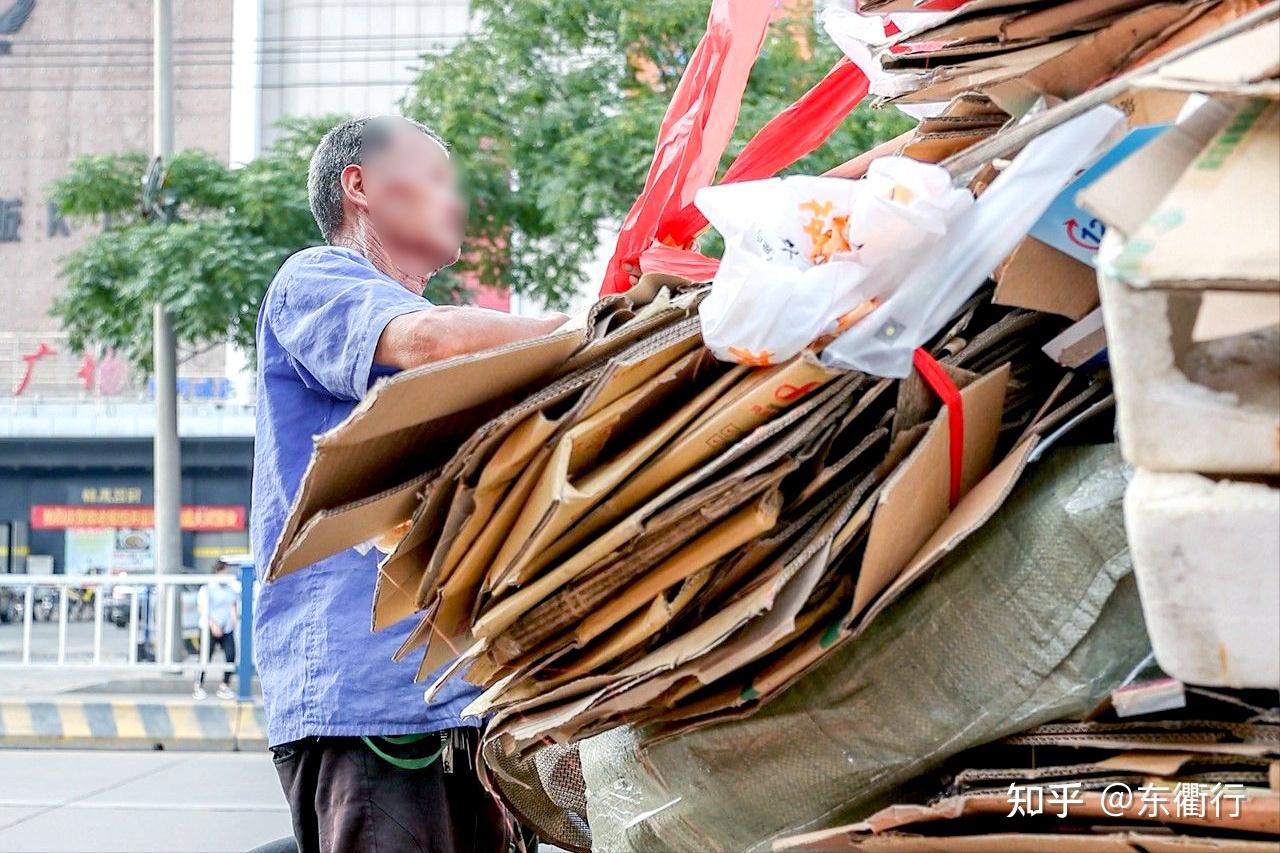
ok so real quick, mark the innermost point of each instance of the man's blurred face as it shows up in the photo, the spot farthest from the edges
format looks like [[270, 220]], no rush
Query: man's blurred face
[[414, 202]]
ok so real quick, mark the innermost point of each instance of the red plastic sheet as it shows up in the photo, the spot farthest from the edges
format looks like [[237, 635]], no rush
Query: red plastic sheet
[[696, 128], [685, 263], [664, 212], [790, 135]]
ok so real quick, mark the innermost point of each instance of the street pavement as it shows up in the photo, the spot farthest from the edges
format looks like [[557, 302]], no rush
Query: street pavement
[[103, 801]]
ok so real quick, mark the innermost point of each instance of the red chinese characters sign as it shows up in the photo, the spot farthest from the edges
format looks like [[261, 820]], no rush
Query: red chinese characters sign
[[88, 516]]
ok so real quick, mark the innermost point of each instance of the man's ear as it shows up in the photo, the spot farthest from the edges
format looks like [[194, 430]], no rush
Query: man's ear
[[353, 186]]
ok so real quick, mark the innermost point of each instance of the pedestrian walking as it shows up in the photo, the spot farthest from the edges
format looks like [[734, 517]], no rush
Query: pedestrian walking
[[219, 604]]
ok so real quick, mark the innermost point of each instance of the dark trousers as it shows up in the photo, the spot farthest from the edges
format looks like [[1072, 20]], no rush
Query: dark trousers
[[346, 799], [228, 643]]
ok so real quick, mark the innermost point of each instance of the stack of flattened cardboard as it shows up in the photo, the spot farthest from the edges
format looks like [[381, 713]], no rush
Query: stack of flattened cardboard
[[643, 540], [369, 474], [978, 68], [633, 530], [1202, 779], [990, 61]]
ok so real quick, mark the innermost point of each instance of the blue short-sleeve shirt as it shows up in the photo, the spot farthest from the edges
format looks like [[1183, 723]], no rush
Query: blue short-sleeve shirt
[[323, 672]]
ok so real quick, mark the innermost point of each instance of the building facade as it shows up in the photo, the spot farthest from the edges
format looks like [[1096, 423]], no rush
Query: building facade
[[75, 78]]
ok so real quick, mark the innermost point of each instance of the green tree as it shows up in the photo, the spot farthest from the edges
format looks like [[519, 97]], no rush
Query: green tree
[[552, 108]]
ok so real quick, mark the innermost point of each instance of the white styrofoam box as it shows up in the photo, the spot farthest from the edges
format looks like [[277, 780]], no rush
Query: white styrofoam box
[[1206, 554], [1185, 403]]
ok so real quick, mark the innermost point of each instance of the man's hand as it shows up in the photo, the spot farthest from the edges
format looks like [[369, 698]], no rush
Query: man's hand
[[633, 273], [444, 331], [215, 629]]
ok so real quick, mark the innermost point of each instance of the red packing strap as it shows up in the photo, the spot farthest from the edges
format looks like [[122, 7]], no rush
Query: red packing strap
[[940, 383]]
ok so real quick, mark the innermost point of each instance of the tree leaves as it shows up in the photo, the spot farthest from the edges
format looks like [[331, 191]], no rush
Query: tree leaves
[[234, 228]]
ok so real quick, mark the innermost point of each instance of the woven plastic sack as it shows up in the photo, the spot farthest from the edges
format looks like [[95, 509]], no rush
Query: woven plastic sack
[[1033, 618], [804, 255]]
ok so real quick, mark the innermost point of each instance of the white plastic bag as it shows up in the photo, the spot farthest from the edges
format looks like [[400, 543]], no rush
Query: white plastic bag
[[947, 272], [804, 255]]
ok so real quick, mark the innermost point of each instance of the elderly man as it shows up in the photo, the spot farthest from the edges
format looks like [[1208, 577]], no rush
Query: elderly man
[[365, 763]]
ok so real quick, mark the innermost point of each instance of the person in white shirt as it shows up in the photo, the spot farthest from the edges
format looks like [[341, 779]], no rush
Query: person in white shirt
[[219, 603]]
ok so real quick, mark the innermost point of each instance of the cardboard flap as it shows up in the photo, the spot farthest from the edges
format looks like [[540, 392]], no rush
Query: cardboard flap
[[573, 484], [1096, 57], [510, 440], [913, 503], [1244, 64], [1041, 278], [1225, 314], [426, 394], [417, 638], [973, 77], [737, 530], [1080, 342], [1063, 17], [1229, 198], [608, 541], [1124, 197], [1012, 26], [971, 513], [406, 422], [759, 396], [332, 530]]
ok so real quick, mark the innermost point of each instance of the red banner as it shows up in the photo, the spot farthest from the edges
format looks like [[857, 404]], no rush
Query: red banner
[[89, 516]]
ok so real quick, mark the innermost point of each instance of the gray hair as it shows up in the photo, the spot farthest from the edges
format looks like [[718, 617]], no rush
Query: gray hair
[[350, 143]]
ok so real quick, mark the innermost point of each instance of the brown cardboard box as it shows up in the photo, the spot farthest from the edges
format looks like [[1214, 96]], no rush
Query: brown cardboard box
[[1228, 198], [1038, 277]]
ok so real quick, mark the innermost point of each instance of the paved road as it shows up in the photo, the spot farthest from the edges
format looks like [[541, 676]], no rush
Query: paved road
[[100, 802]]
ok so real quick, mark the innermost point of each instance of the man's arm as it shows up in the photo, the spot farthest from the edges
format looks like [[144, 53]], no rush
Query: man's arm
[[444, 331]]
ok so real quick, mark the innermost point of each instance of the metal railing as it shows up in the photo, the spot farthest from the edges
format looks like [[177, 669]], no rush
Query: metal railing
[[151, 607]]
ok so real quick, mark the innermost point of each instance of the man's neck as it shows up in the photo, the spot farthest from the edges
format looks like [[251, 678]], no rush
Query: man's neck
[[362, 238]]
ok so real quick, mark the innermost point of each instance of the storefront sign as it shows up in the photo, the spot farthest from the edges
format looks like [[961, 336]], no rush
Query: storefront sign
[[111, 494], [84, 517]]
